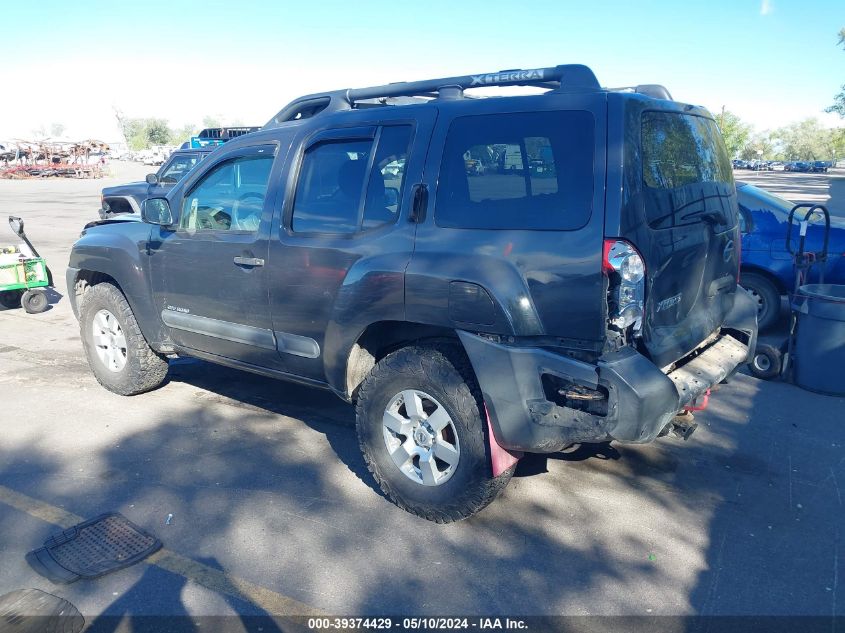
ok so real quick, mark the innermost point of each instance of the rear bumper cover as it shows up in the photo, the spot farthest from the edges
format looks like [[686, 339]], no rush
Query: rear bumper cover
[[642, 399]]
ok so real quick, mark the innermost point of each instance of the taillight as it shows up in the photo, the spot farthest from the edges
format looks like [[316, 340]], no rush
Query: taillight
[[625, 270]]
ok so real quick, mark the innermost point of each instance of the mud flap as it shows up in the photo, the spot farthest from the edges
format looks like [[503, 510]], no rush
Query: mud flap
[[501, 458]]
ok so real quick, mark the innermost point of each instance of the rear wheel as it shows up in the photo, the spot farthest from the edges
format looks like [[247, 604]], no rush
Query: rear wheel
[[423, 433], [118, 354], [765, 295]]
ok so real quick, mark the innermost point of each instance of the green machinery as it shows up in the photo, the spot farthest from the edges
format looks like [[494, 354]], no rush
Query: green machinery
[[24, 276]]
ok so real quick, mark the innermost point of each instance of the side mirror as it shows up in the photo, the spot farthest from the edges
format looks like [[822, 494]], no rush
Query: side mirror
[[152, 179], [17, 225], [156, 211]]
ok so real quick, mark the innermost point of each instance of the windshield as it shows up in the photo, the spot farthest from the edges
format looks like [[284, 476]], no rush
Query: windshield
[[178, 167], [755, 198]]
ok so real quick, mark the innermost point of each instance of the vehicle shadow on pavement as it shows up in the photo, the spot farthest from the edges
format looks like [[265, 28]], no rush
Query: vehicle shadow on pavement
[[774, 536], [742, 519]]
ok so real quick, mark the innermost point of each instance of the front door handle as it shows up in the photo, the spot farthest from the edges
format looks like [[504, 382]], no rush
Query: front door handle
[[249, 261]]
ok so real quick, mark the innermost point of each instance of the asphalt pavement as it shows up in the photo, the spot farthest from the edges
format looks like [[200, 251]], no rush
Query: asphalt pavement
[[274, 512]]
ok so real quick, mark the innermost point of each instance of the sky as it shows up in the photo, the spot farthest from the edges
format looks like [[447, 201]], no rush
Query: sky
[[772, 62]]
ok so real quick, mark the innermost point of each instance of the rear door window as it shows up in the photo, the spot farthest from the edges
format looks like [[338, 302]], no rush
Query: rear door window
[[517, 171], [345, 186]]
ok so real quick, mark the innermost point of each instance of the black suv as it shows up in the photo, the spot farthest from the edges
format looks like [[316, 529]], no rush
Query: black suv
[[480, 276]]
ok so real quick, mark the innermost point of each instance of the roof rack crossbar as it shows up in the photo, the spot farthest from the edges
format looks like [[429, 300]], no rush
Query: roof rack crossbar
[[569, 76], [655, 91], [563, 77]]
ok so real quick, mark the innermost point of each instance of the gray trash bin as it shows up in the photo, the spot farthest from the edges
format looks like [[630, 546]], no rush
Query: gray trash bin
[[820, 338]]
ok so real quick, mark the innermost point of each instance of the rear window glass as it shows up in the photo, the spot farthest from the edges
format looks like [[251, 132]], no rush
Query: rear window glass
[[517, 171], [682, 149], [686, 172]]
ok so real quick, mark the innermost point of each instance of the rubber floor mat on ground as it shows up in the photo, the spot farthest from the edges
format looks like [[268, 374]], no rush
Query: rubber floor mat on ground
[[34, 611], [93, 548]]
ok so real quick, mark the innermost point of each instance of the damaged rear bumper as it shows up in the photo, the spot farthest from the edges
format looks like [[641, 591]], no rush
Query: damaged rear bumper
[[623, 397]]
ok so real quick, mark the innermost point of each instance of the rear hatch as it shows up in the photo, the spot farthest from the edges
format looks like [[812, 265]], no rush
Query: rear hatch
[[680, 213]]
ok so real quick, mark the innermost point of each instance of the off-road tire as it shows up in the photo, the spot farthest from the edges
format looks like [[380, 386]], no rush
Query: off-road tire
[[443, 371], [765, 295], [144, 369], [35, 301]]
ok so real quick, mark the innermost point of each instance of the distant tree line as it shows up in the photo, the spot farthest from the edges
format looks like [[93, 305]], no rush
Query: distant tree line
[[838, 106], [804, 140], [143, 133]]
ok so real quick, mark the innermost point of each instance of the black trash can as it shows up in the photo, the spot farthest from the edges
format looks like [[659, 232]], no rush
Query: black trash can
[[819, 360]]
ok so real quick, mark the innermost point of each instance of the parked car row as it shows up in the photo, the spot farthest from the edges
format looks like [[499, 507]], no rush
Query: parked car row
[[816, 166]]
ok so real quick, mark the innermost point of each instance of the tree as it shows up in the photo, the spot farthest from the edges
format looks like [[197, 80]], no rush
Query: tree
[[759, 145], [179, 136], [838, 106], [734, 131], [56, 129], [157, 131], [808, 140], [211, 121]]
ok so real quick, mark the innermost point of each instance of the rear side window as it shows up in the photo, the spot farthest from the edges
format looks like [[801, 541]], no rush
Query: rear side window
[[517, 171]]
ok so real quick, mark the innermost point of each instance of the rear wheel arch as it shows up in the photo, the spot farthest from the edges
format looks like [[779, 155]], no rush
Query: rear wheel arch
[[762, 272], [766, 291], [383, 337]]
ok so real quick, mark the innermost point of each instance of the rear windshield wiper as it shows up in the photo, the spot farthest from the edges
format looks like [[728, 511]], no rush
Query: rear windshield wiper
[[713, 216]]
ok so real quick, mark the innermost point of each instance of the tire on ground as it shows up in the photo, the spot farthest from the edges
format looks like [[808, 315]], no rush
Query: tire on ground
[[35, 301], [767, 296], [442, 371], [144, 369]]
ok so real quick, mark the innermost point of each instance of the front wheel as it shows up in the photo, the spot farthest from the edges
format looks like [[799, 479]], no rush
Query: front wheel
[[118, 354], [423, 433]]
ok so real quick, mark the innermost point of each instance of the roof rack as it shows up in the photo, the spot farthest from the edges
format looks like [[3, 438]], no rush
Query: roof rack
[[565, 77], [656, 91]]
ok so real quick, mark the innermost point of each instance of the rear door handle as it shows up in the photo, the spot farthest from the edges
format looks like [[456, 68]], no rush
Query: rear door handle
[[249, 261]]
